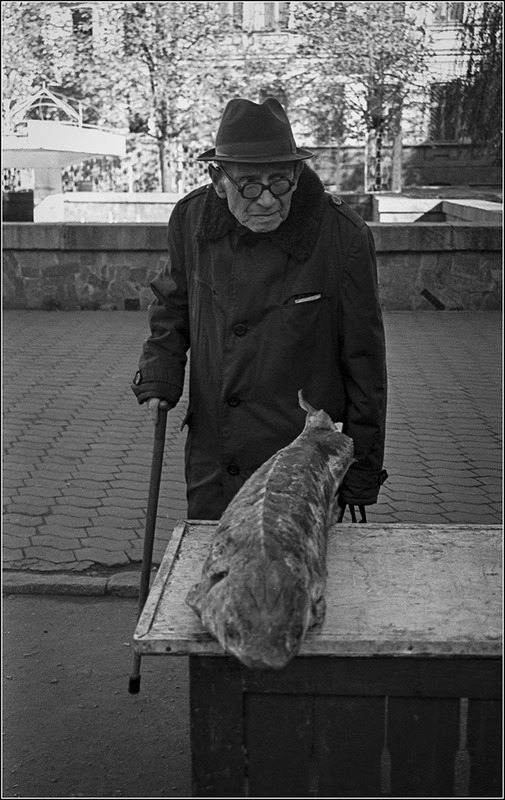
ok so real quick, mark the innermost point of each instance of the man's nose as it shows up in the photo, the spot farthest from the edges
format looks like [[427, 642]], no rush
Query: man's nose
[[267, 199]]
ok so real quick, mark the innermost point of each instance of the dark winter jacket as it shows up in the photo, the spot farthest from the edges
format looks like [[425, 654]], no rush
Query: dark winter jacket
[[266, 315]]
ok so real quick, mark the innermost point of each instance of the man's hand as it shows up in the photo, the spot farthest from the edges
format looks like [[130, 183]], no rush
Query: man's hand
[[153, 405]]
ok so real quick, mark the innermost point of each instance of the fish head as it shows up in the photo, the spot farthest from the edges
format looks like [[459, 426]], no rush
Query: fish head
[[261, 615]]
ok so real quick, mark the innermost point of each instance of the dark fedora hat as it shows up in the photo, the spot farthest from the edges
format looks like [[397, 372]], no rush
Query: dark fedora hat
[[255, 132]]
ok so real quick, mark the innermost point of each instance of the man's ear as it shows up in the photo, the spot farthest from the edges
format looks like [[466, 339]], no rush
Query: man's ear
[[298, 169], [216, 177]]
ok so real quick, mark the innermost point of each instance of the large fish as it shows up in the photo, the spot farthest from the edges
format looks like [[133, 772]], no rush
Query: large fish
[[262, 583]]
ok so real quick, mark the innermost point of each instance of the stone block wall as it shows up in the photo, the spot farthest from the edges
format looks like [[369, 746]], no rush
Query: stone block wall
[[451, 266], [72, 266]]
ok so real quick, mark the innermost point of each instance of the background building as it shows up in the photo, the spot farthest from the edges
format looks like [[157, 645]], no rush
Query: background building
[[260, 46]]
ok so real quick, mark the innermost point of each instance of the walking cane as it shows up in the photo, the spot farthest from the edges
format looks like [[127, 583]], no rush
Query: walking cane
[[152, 509]]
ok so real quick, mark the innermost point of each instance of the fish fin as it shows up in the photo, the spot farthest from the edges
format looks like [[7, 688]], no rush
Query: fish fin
[[317, 611]]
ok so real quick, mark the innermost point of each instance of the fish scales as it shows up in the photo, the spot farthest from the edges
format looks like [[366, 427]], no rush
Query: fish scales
[[262, 584]]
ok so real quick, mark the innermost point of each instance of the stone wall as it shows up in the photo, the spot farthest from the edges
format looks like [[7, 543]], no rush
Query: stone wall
[[68, 267]]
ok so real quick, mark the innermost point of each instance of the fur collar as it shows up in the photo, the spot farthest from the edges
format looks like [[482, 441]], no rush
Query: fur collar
[[296, 235]]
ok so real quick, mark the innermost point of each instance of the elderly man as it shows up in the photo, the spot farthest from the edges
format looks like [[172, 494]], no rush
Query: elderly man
[[272, 284]]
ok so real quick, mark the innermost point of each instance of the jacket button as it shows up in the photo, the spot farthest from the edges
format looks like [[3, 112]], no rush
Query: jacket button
[[233, 469], [233, 401], [240, 329]]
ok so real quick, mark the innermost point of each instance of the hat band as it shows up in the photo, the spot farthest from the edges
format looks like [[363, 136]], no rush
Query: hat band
[[257, 149]]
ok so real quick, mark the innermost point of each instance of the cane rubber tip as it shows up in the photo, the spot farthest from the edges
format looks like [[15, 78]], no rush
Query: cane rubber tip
[[134, 684]]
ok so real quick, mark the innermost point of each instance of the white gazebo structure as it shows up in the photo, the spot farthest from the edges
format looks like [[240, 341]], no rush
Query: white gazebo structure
[[49, 145]]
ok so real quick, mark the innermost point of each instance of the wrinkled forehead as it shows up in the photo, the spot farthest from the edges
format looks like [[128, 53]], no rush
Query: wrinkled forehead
[[267, 171]]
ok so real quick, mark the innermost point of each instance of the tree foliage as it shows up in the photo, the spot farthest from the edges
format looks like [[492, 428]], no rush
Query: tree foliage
[[153, 69], [482, 87], [372, 50], [163, 71], [367, 57]]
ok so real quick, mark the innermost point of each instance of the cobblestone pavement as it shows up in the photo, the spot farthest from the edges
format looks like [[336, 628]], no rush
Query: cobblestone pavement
[[77, 447]]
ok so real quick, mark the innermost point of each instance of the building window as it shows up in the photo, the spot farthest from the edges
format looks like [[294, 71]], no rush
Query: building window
[[259, 16], [448, 13]]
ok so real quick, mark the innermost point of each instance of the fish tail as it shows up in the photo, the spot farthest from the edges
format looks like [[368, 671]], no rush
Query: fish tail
[[304, 404], [317, 418]]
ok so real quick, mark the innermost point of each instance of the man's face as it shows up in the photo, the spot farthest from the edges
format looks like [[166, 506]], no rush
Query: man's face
[[267, 212]]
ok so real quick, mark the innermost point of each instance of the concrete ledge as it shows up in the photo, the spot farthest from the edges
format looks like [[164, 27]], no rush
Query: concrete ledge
[[153, 237], [85, 237], [477, 211], [125, 584], [435, 236]]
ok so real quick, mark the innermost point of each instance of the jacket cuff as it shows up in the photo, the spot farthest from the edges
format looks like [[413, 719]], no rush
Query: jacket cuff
[[361, 488], [145, 389]]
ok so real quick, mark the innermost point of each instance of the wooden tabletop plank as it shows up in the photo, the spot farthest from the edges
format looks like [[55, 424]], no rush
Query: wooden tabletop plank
[[402, 590]]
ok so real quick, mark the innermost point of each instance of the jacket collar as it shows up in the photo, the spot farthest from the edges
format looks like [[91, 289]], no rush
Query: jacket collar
[[296, 236]]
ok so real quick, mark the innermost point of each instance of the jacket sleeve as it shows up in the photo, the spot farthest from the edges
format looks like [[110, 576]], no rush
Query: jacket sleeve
[[163, 358], [363, 360]]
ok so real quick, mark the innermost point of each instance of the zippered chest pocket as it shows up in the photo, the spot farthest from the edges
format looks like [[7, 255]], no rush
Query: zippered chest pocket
[[304, 299], [302, 310]]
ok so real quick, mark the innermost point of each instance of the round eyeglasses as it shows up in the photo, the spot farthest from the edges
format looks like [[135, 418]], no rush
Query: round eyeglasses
[[254, 189]]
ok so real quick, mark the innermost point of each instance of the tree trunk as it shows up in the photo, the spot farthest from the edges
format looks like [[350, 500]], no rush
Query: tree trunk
[[378, 159], [397, 166], [164, 174]]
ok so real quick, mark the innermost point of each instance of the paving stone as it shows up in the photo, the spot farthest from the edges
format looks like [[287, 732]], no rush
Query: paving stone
[[103, 543], [76, 494], [126, 501], [41, 539], [12, 542], [97, 486], [64, 521], [10, 482], [481, 517], [85, 512], [12, 556], [39, 492], [109, 532], [134, 485], [133, 496], [100, 556], [23, 520], [116, 521], [92, 470], [25, 504], [463, 496], [69, 502], [52, 554], [423, 518], [462, 506]]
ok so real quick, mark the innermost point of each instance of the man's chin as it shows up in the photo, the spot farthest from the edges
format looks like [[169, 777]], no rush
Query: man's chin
[[264, 224]]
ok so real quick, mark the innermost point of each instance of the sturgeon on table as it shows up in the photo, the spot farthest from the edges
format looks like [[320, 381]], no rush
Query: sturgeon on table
[[262, 583]]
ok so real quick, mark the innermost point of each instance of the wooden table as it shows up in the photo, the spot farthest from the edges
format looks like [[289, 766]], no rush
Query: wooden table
[[398, 692]]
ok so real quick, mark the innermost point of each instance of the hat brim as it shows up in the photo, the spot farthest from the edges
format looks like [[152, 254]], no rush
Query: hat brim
[[300, 155]]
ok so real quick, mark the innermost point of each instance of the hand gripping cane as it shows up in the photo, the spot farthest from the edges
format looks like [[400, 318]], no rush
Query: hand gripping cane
[[152, 509]]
